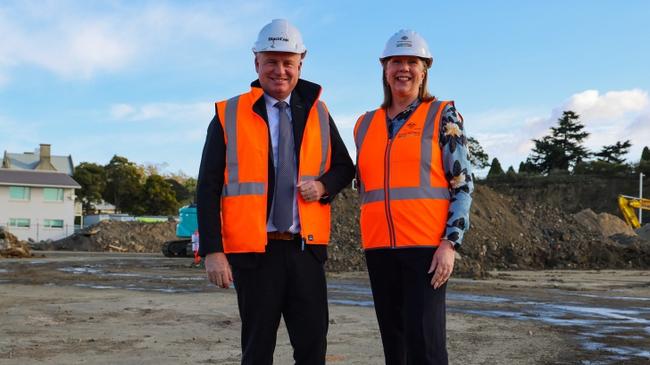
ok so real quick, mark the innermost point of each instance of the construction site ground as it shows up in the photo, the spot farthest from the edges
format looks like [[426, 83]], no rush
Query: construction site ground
[[125, 308]]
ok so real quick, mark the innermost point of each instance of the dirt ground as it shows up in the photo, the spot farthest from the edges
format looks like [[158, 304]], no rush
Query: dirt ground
[[110, 308]]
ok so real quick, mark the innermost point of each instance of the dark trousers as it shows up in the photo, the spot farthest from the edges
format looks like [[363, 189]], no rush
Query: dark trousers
[[411, 314], [286, 281]]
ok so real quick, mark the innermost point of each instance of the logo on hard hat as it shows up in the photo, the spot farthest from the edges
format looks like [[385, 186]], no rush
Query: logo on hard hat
[[404, 43], [273, 39]]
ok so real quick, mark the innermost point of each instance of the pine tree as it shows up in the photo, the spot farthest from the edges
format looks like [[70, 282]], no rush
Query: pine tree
[[644, 164], [645, 155], [495, 169], [563, 149], [477, 157], [614, 153]]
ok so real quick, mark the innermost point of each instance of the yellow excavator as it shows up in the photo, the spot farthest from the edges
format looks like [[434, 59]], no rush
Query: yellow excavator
[[627, 205]]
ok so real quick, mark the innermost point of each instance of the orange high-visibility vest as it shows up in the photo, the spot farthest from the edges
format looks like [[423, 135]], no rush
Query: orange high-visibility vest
[[244, 196], [402, 185]]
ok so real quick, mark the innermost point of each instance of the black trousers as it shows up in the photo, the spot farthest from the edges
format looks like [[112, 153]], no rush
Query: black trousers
[[286, 281], [411, 314]]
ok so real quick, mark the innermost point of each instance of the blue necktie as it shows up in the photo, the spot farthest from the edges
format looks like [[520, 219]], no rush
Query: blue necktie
[[285, 179]]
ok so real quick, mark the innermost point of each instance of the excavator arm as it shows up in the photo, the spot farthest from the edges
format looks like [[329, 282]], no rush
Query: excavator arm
[[627, 204]]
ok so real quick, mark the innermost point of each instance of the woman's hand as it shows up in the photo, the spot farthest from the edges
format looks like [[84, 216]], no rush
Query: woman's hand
[[442, 263]]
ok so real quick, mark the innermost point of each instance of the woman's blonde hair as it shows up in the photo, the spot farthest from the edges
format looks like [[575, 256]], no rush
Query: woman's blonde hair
[[423, 94]]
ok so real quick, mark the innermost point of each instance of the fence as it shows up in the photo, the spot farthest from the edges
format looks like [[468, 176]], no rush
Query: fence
[[39, 232]]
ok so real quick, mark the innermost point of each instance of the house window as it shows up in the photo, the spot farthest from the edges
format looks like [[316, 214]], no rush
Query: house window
[[19, 193], [53, 194], [53, 223], [19, 222]]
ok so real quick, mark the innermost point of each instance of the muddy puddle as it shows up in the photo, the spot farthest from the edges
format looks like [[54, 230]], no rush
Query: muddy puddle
[[611, 326]]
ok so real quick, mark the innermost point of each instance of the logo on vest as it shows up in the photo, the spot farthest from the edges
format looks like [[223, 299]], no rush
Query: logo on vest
[[410, 131]]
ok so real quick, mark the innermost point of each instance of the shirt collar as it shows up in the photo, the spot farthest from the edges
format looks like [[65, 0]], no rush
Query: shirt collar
[[409, 109], [271, 101]]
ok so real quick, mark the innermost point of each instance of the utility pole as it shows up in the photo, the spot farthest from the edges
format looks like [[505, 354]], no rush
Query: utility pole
[[641, 175]]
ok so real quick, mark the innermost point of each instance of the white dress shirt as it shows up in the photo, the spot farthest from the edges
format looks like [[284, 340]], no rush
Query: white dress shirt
[[273, 114]]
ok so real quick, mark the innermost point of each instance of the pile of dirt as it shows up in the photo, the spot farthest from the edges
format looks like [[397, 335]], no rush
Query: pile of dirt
[[607, 224], [116, 237], [511, 232], [516, 230], [644, 232], [10, 246], [344, 251]]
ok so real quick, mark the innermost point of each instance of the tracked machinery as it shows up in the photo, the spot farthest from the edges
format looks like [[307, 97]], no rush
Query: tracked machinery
[[627, 205], [186, 227]]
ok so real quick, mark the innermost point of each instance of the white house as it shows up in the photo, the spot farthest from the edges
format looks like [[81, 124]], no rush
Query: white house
[[36, 201]]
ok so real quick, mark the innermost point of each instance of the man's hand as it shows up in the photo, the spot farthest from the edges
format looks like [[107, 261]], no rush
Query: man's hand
[[442, 263], [218, 269], [311, 190]]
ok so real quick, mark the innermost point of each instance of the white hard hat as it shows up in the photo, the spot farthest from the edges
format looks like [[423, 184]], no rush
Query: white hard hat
[[407, 43], [279, 36]]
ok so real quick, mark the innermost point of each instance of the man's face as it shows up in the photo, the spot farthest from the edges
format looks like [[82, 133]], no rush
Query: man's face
[[278, 72]]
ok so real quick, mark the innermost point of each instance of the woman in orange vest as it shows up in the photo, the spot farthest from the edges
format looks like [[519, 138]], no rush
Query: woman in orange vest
[[415, 187]]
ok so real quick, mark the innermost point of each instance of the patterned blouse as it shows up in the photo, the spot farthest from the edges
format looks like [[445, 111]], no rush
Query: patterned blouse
[[455, 160]]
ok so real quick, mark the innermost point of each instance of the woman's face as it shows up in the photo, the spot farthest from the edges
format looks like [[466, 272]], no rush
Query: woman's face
[[404, 75]]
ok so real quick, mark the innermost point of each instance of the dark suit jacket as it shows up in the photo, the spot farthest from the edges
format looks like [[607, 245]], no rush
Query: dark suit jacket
[[213, 163]]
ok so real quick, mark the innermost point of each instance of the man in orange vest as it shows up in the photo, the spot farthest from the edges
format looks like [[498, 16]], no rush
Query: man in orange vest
[[273, 160]]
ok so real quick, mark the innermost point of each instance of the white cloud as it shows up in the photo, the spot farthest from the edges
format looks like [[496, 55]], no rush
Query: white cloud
[[597, 108], [122, 111], [609, 117], [167, 112], [76, 41]]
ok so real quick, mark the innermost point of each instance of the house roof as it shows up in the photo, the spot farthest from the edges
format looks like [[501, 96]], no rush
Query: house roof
[[29, 161], [37, 178]]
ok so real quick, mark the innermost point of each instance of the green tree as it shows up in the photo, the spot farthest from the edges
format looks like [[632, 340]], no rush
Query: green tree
[[614, 153], [190, 184], [477, 156], [528, 168], [124, 181], [181, 192], [495, 169], [602, 168], [511, 172], [645, 155], [644, 164], [92, 178], [563, 149], [158, 197]]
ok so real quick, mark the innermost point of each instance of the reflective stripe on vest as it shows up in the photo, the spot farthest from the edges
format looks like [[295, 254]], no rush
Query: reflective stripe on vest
[[244, 194], [405, 198]]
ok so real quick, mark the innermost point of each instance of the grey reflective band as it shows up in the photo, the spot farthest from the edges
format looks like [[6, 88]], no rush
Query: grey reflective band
[[425, 144], [324, 120], [308, 178], [234, 189], [363, 129], [405, 193], [231, 146], [358, 140]]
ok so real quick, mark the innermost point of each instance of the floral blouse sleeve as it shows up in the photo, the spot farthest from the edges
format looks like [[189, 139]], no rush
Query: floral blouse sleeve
[[455, 159]]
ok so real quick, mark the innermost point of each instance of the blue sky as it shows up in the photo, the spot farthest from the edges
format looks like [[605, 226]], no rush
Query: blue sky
[[139, 78]]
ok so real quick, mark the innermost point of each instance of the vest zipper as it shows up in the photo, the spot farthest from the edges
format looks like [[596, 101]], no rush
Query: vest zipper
[[389, 216]]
